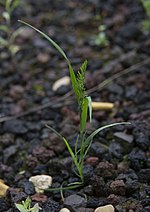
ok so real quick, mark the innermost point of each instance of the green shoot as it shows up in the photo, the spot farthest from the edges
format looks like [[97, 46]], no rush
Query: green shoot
[[8, 40], [100, 39], [26, 206], [84, 104], [146, 22]]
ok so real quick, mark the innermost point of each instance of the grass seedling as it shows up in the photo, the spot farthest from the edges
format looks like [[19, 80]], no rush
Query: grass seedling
[[26, 206], [146, 22], [83, 141], [100, 39], [8, 36]]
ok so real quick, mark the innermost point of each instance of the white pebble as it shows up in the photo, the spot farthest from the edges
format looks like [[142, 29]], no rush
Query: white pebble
[[41, 182], [106, 208], [64, 210], [60, 82]]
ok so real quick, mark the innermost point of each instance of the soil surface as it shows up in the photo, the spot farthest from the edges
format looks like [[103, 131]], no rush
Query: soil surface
[[117, 167]]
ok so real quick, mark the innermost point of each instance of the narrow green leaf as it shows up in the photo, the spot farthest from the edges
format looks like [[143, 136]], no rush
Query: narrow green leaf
[[49, 39], [60, 50], [75, 160], [84, 114], [4, 28], [36, 208], [52, 129], [3, 42], [15, 4], [74, 186], [69, 149], [89, 139], [20, 208], [8, 5]]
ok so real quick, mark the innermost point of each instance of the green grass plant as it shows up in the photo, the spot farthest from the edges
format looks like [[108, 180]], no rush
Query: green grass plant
[[100, 39], [146, 22], [25, 206], [83, 140], [7, 39]]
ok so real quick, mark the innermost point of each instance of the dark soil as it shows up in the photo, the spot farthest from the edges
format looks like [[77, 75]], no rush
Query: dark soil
[[117, 168]]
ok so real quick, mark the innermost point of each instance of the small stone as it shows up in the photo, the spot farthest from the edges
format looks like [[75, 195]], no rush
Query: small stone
[[64, 81], [116, 150], [27, 186], [4, 205], [129, 31], [113, 199], [75, 201], [123, 166], [43, 57], [137, 158], [144, 175], [16, 109], [55, 143], [118, 187], [106, 208], [16, 92], [16, 195], [9, 152], [3, 188], [64, 210], [105, 170], [100, 188], [15, 126], [98, 149], [7, 139], [43, 154], [124, 136], [39, 197], [41, 182], [92, 161], [25, 32], [87, 172], [50, 205]]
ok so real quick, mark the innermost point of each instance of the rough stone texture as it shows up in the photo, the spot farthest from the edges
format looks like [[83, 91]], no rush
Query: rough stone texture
[[105, 170], [50, 205], [100, 188], [144, 175], [41, 182], [75, 201], [15, 126], [118, 187]]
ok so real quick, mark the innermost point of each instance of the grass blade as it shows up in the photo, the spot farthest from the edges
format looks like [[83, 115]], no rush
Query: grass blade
[[20, 207], [89, 139], [84, 115], [49, 39], [69, 149], [60, 50]]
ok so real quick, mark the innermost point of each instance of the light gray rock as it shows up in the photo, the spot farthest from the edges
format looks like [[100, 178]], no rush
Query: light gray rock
[[41, 182], [106, 208]]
